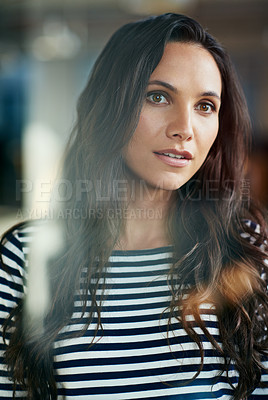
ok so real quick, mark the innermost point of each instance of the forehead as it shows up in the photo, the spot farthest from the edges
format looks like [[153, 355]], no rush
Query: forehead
[[188, 63]]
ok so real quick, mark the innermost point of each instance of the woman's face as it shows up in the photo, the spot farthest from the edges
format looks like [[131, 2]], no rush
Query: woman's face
[[179, 119]]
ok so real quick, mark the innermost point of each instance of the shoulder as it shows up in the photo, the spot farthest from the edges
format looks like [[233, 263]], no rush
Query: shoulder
[[15, 242], [254, 234], [14, 248], [255, 227]]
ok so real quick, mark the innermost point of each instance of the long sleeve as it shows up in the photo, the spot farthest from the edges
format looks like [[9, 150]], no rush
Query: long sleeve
[[12, 285]]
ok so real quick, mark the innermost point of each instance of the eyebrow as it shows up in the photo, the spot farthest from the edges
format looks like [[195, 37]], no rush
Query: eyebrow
[[209, 93], [165, 84]]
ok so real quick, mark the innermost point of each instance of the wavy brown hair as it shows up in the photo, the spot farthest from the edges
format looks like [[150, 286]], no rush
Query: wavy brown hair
[[205, 223]]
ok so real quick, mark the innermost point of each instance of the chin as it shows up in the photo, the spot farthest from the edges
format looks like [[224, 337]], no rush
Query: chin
[[172, 185], [167, 186]]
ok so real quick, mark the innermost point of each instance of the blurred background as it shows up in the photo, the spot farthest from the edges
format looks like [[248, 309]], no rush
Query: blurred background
[[47, 48]]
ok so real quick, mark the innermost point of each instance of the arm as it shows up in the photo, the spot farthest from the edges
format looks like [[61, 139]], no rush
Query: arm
[[12, 286], [259, 393]]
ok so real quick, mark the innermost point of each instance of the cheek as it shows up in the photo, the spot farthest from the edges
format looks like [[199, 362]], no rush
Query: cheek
[[142, 132], [137, 138], [215, 135], [212, 140], [142, 137], [211, 137], [206, 143], [149, 124], [134, 148]]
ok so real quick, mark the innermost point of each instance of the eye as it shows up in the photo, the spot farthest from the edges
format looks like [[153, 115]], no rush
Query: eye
[[206, 108], [157, 98]]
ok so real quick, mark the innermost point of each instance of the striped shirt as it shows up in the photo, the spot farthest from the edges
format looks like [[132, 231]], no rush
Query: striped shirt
[[136, 355]]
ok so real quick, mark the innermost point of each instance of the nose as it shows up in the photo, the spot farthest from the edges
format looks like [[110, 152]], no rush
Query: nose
[[180, 125]]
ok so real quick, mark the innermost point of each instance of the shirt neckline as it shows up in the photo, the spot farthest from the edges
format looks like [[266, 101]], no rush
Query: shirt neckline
[[156, 250]]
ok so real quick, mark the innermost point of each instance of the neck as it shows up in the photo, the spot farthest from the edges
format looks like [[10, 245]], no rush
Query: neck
[[146, 219]]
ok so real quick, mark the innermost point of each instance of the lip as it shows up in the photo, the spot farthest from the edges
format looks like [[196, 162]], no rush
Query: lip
[[174, 162]]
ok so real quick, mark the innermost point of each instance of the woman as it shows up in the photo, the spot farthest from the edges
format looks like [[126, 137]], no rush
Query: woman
[[160, 291]]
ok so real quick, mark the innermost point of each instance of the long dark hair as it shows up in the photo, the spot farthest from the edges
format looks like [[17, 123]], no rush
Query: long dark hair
[[205, 223]]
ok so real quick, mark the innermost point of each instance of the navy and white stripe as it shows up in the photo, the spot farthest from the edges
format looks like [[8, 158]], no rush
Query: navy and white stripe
[[135, 355]]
